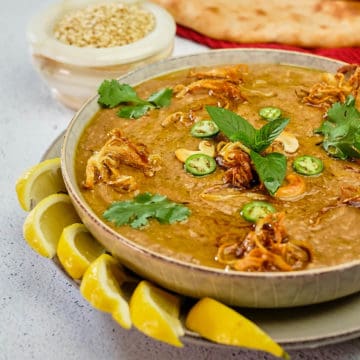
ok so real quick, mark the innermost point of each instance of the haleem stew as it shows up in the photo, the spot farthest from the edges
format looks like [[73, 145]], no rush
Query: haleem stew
[[243, 167]]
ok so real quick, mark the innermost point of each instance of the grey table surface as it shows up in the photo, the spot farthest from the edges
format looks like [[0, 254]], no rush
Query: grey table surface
[[42, 315]]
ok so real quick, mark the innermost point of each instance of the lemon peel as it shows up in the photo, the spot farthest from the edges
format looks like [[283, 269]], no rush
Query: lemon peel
[[101, 287], [155, 312], [45, 222], [219, 323], [76, 249], [38, 182]]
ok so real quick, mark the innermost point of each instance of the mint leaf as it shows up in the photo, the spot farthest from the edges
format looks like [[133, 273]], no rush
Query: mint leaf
[[136, 212], [341, 130], [271, 169], [268, 133], [235, 127], [112, 93]]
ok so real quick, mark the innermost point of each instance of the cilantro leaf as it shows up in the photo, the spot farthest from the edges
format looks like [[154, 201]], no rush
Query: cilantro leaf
[[112, 93], [133, 111], [271, 169], [137, 211], [341, 130], [161, 98]]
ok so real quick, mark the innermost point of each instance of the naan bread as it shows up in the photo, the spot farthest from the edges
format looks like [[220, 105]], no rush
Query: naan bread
[[306, 23]]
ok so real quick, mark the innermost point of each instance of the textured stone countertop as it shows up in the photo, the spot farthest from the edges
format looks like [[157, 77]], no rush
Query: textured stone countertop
[[42, 315]]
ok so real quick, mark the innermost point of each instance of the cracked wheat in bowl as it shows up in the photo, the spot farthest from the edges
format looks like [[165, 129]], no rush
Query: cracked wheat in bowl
[[76, 44]]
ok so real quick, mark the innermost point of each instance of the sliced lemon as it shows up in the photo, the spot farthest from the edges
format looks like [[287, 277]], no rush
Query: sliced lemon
[[45, 222], [76, 249], [155, 312], [38, 182], [101, 287], [219, 323]]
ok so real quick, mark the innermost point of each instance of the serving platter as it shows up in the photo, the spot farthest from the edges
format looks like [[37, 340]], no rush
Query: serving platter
[[293, 328]]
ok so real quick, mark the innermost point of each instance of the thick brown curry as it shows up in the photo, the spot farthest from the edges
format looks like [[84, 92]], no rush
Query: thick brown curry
[[323, 216]]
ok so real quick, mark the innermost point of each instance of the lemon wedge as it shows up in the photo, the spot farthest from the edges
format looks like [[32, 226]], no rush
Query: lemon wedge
[[76, 249], [155, 312], [38, 182], [101, 287], [219, 323], [45, 222]]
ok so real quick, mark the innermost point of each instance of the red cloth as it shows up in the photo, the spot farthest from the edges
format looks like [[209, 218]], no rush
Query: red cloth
[[347, 54]]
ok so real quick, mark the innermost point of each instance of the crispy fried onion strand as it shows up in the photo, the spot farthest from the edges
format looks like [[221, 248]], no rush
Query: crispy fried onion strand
[[235, 159], [233, 73], [266, 248], [335, 88], [221, 84], [220, 88], [104, 166]]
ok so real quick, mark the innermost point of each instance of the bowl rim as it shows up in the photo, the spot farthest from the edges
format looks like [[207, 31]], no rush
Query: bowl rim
[[43, 42], [73, 189]]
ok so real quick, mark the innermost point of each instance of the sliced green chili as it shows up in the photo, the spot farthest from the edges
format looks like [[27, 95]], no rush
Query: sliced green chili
[[256, 210], [270, 113], [204, 128], [308, 165], [200, 164]]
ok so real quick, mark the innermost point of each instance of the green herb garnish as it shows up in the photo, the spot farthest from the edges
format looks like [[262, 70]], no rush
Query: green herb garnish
[[341, 130], [113, 94], [236, 128], [137, 211], [271, 168]]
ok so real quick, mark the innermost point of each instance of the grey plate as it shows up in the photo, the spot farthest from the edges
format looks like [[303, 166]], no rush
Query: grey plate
[[294, 328]]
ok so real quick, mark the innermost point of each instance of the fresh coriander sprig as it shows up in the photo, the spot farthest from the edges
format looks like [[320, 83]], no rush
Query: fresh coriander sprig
[[271, 168], [112, 94], [341, 130], [137, 211]]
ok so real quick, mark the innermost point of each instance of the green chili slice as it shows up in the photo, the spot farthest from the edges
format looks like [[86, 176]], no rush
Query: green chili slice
[[270, 113], [308, 165], [204, 128], [200, 164], [256, 210]]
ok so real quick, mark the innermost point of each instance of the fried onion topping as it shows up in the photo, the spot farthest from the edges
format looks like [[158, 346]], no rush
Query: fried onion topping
[[265, 248], [239, 173], [221, 86], [105, 165], [233, 73], [215, 87], [335, 88]]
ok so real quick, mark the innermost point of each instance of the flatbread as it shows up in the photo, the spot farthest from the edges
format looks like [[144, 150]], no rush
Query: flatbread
[[305, 23]]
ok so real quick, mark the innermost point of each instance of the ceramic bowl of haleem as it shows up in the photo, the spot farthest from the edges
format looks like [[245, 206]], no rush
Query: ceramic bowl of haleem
[[76, 44], [233, 174]]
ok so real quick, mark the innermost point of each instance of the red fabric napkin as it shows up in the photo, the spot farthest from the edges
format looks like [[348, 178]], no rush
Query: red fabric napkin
[[347, 54]]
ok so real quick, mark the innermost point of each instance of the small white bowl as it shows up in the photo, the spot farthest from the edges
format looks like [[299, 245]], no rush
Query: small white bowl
[[74, 73]]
